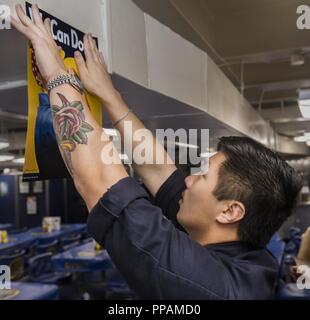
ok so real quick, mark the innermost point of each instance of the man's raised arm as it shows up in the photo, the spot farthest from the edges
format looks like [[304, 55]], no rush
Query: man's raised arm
[[96, 79], [80, 139]]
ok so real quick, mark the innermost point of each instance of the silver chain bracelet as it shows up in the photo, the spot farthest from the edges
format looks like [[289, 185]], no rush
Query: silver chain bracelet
[[122, 118]]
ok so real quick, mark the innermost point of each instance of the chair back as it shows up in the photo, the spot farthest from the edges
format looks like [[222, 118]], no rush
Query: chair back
[[15, 261], [50, 247], [39, 265]]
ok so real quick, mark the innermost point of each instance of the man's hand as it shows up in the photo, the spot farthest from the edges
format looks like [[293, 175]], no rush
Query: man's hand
[[47, 53], [93, 72]]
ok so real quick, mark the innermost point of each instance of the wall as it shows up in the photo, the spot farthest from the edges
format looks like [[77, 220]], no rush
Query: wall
[[13, 205], [300, 218]]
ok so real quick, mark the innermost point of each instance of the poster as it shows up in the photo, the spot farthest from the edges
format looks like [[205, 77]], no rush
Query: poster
[[31, 204], [37, 187], [42, 157], [4, 188], [23, 186]]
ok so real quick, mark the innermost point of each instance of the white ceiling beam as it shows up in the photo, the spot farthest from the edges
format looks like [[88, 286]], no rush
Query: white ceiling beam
[[9, 85], [281, 85]]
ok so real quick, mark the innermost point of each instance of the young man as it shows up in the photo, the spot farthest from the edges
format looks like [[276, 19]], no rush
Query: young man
[[205, 236]]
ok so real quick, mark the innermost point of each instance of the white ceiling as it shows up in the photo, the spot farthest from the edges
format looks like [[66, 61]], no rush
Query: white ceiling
[[261, 35], [156, 110]]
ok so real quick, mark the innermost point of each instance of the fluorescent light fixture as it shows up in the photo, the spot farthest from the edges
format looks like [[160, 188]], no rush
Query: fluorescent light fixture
[[3, 145], [307, 136], [110, 132], [304, 107], [208, 154], [305, 190], [4, 158], [19, 161], [304, 102], [300, 139], [185, 145], [297, 60], [123, 156]]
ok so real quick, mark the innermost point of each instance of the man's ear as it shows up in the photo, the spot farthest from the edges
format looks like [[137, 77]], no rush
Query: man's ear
[[233, 212]]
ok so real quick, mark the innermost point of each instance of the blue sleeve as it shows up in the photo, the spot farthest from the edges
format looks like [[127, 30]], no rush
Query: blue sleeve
[[157, 260], [169, 195]]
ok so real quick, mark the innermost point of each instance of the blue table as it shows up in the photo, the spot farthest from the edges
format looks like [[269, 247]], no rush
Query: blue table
[[17, 241], [30, 291], [66, 229], [6, 226], [83, 258]]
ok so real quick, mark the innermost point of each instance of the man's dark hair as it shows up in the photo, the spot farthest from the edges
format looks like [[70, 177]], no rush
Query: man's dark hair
[[260, 179]]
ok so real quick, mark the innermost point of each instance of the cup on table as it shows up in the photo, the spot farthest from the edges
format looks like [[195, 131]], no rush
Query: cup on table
[[4, 237], [50, 224]]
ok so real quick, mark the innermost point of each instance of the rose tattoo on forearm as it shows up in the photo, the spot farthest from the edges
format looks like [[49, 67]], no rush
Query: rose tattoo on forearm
[[70, 127]]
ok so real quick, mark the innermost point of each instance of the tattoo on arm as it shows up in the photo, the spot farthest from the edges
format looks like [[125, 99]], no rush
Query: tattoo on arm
[[70, 127]]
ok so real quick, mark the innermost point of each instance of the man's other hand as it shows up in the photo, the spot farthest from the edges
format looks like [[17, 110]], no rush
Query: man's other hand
[[94, 74]]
